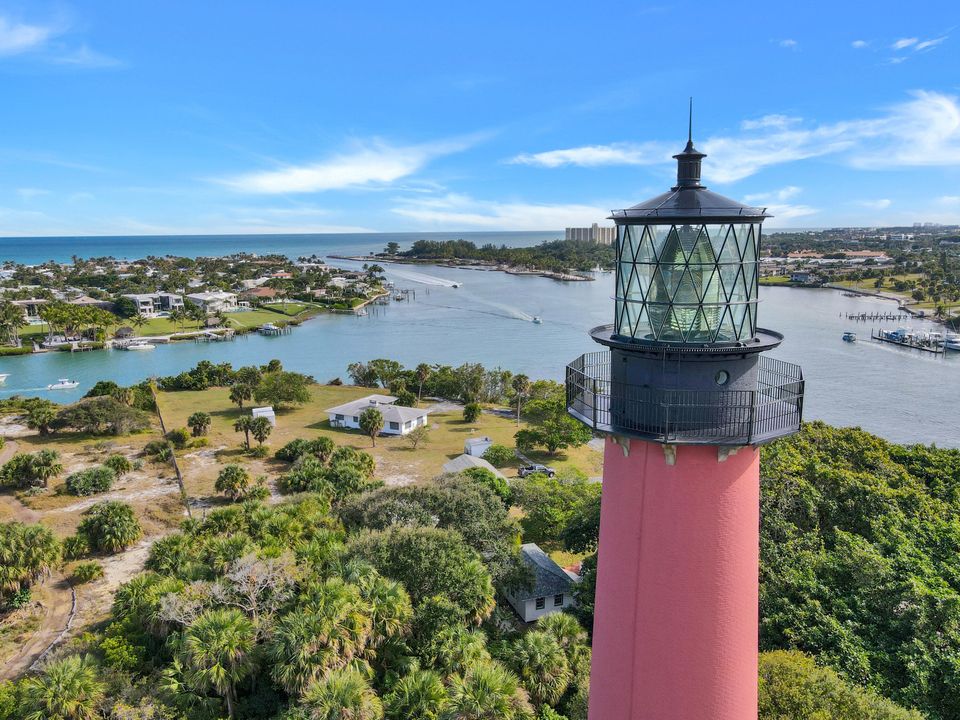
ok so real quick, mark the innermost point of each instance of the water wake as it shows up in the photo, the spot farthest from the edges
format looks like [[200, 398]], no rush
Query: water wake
[[422, 278]]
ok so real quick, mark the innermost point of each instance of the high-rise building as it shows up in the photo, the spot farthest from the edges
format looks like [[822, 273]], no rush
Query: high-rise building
[[594, 233], [684, 394]]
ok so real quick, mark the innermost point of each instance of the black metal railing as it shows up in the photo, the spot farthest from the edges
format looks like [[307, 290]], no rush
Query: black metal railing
[[687, 417]]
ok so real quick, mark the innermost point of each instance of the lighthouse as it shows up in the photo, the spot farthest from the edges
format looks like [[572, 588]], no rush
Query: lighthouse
[[684, 392]]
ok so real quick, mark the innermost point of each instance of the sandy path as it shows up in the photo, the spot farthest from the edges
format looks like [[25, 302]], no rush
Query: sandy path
[[58, 612]]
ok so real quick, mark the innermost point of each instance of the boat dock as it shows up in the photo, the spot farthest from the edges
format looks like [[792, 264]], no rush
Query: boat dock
[[864, 317], [908, 341]]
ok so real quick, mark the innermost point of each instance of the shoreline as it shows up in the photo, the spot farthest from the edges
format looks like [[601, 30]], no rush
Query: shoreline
[[482, 265]]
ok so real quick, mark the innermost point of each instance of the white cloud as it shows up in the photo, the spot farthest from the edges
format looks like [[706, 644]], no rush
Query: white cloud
[[788, 43], [927, 44], [461, 211], [770, 121], [777, 195], [373, 163], [924, 130], [949, 199], [87, 58], [859, 44], [597, 155], [904, 43], [881, 204], [16, 37], [783, 213], [28, 193]]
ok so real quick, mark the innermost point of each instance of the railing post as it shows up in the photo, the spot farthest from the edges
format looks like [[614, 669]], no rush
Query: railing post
[[753, 410]]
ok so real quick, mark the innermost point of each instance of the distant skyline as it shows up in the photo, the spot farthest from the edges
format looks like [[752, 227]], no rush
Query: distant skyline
[[249, 117]]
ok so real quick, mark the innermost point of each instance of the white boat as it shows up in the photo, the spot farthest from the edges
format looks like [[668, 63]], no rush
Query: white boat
[[537, 320], [362, 312], [456, 285], [849, 337], [952, 342], [3, 377], [139, 346], [63, 384]]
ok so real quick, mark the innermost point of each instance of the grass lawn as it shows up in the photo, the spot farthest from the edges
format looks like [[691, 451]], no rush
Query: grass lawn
[[775, 280], [397, 461]]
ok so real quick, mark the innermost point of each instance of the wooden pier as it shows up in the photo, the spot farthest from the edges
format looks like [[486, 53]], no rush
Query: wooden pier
[[864, 317], [930, 347]]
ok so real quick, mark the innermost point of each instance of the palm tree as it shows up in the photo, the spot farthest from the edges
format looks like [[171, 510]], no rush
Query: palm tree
[[330, 629], [12, 318], [343, 694], [542, 666], [260, 428], [564, 628], [177, 316], [392, 612], [240, 393], [521, 386], [217, 652], [47, 465], [68, 689], [199, 423], [487, 691], [421, 694], [138, 320], [243, 424], [422, 371]]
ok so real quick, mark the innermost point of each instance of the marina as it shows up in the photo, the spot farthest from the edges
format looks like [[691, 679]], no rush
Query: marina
[[931, 342]]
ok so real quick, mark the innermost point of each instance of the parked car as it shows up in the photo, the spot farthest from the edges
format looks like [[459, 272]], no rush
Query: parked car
[[535, 468]]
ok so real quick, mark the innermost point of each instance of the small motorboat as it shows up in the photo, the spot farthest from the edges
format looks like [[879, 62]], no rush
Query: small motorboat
[[952, 342], [63, 384], [849, 337], [142, 345], [455, 285], [3, 377], [362, 312], [537, 320]]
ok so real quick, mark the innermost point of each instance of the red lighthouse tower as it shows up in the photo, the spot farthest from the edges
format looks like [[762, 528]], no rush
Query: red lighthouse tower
[[685, 395]]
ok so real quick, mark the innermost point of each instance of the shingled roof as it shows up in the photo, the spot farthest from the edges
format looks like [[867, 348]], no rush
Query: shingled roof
[[551, 579]]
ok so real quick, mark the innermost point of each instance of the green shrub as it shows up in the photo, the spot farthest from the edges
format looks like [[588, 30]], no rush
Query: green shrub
[[499, 455], [76, 546], [110, 527], [233, 481], [31, 470], [119, 464], [472, 412], [91, 481], [87, 572], [490, 480], [179, 437], [260, 451]]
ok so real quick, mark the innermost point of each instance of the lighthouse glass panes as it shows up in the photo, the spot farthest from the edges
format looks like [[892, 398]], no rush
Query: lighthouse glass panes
[[687, 283]]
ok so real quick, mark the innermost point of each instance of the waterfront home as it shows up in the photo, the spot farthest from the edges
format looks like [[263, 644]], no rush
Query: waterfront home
[[259, 293], [466, 462], [31, 307], [397, 420], [215, 301], [153, 304], [552, 589], [803, 277]]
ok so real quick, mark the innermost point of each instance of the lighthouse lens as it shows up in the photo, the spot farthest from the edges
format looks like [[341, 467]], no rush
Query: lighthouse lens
[[687, 283]]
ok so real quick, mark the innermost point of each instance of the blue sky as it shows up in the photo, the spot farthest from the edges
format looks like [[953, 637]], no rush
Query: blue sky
[[202, 117]]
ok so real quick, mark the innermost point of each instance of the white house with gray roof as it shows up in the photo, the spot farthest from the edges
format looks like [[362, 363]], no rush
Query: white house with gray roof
[[552, 590], [397, 420]]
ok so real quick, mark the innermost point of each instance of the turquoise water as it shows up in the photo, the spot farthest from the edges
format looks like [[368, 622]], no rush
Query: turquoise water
[[903, 395]]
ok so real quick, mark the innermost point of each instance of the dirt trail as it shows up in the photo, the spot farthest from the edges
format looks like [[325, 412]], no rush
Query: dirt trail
[[58, 611]]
